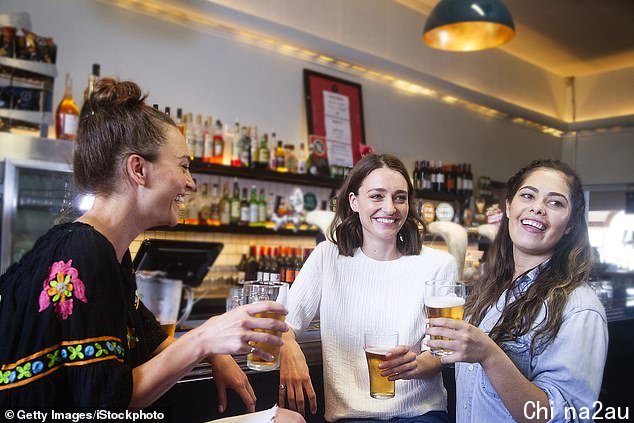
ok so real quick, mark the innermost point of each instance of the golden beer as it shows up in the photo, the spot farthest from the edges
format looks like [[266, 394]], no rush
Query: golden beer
[[169, 329], [450, 307], [380, 386], [256, 363]]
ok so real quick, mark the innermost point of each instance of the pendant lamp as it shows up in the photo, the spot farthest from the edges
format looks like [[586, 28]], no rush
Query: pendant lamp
[[468, 25]]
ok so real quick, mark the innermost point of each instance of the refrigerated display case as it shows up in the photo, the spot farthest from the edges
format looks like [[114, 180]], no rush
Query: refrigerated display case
[[37, 191]]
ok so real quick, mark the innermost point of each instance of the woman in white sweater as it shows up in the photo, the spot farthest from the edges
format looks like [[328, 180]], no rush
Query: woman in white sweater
[[371, 278]]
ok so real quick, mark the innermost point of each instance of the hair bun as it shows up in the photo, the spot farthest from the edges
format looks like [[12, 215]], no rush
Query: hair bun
[[109, 92]]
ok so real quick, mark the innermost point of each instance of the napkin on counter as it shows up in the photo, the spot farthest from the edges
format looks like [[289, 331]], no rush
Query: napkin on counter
[[265, 416]]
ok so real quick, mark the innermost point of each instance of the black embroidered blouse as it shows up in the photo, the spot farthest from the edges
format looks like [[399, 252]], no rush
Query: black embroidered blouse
[[71, 325]]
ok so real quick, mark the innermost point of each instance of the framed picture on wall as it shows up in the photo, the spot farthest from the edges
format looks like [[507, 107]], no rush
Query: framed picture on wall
[[334, 111]]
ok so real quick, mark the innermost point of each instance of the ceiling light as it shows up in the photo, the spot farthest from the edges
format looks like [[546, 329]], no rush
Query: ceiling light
[[468, 25]]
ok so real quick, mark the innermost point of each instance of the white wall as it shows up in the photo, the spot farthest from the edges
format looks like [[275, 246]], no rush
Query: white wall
[[213, 75], [602, 158], [392, 31]]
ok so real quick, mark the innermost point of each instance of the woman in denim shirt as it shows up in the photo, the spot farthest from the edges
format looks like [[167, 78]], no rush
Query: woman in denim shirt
[[535, 339]]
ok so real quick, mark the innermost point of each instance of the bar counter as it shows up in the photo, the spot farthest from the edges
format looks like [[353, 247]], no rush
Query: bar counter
[[194, 398]]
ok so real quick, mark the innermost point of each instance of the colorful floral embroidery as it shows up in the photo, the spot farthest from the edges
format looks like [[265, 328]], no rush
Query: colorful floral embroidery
[[61, 287], [67, 353]]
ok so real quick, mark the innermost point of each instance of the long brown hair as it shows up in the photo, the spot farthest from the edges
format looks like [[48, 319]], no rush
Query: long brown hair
[[116, 123], [346, 230], [568, 268]]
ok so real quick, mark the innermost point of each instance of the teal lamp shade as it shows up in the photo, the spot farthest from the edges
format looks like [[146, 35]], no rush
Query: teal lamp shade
[[468, 25]]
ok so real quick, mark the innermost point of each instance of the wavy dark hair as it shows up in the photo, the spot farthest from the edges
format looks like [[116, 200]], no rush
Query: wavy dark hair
[[346, 230], [567, 269], [116, 123]]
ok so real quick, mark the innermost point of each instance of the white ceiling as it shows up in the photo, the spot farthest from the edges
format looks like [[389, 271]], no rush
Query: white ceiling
[[567, 37]]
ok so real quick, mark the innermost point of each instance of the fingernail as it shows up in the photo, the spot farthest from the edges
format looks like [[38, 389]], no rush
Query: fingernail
[[221, 408]]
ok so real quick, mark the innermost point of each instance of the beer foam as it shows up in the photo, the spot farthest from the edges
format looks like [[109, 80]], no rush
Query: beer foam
[[377, 350], [444, 302]]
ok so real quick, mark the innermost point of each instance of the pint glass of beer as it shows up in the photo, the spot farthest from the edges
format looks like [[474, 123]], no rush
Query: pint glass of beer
[[444, 299], [266, 291], [377, 344]]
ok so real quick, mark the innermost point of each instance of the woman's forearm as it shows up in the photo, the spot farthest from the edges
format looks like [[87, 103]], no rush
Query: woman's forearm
[[156, 376], [513, 388]]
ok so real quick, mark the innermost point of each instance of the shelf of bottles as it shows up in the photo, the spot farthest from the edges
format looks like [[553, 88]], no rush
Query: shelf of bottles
[[263, 174], [450, 182], [244, 230], [27, 74]]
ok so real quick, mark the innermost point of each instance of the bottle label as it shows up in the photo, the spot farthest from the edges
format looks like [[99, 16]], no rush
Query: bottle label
[[274, 277], [70, 124]]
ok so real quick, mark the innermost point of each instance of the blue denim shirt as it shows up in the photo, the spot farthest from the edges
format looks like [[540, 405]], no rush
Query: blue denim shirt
[[569, 370]]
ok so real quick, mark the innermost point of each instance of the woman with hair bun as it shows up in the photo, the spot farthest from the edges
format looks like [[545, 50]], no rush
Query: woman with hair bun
[[73, 331]]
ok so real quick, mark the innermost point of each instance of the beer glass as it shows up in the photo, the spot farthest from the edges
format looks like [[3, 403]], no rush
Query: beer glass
[[376, 346], [266, 291], [444, 299]]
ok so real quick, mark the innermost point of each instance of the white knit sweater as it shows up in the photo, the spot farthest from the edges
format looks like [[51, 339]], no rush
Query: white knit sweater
[[356, 294]]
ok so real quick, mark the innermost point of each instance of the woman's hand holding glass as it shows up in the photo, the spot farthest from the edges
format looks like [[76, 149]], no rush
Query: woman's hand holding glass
[[466, 342], [401, 363], [231, 332]]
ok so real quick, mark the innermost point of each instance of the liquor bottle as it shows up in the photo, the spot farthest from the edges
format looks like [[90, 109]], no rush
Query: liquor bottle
[[198, 136], [440, 177], [459, 179], [245, 147], [179, 121], [218, 145], [208, 140], [193, 209], [416, 175], [280, 157], [190, 135], [168, 111], [242, 268], [92, 78], [281, 263], [302, 160], [214, 219], [235, 204], [274, 269], [205, 205], [254, 207], [290, 158], [67, 114], [469, 179], [262, 265], [290, 267], [272, 156], [252, 265], [236, 148], [254, 160], [225, 206], [264, 153], [244, 209], [262, 208], [433, 176], [450, 179]]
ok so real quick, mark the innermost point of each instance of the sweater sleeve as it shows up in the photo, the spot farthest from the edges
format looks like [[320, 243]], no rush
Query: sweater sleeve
[[304, 296]]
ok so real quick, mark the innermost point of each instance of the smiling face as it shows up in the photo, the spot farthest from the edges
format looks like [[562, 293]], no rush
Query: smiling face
[[170, 179], [539, 214], [382, 205]]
